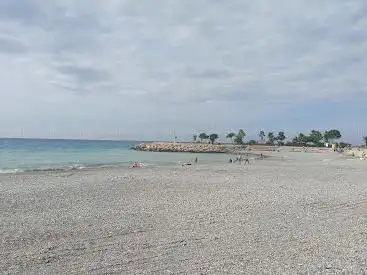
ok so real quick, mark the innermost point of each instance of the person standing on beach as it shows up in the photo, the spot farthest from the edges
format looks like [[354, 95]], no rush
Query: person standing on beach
[[247, 160], [196, 160]]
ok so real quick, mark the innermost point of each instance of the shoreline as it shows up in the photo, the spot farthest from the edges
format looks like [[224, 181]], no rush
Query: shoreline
[[210, 158], [125, 165]]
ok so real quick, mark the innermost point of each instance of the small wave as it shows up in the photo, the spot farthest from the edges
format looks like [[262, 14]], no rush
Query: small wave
[[66, 168], [11, 171], [43, 169], [76, 167], [58, 169]]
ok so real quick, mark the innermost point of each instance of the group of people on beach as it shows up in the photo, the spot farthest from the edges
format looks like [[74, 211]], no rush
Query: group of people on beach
[[137, 165], [238, 159]]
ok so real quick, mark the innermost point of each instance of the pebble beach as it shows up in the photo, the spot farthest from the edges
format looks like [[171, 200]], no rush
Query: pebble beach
[[292, 213]]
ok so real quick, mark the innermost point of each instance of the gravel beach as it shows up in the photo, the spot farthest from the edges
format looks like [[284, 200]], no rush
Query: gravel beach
[[294, 213]]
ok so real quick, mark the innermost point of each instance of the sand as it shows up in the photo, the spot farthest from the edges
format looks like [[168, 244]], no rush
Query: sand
[[302, 213]]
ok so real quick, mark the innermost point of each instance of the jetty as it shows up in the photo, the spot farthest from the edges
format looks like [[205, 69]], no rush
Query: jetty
[[188, 147]]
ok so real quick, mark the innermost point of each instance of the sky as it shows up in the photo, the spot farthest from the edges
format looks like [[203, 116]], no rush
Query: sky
[[147, 70]]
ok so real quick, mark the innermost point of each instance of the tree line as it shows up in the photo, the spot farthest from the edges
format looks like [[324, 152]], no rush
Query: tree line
[[314, 138], [237, 138]]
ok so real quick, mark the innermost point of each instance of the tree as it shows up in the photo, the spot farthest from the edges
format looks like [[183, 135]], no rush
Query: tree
[[302, 139], [326, 137], [195, 137], [213, 137], [332, 135], [365, 140], [295, 141], [238, 139], [262, 135], [252, 142], [231, 136], [203, 136], [290, 143], [280, 138], [315, 137], [271, 138]]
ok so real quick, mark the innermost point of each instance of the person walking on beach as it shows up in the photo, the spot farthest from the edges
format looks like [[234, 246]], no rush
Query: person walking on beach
[[196, 160]]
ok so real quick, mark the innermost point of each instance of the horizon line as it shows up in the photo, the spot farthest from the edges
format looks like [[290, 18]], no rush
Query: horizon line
[[76, 139]]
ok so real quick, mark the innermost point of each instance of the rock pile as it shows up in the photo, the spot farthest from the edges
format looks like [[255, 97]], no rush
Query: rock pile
[[183, 147], [356, 152]]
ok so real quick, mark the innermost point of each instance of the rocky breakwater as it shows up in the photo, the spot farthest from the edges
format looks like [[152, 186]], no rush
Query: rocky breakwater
[[356, 152], [182, 147]]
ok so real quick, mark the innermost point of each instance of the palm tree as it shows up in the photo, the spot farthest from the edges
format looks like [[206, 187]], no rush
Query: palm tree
[[262, 135], [241, 133], [280, 138], [271, 138], [240, 136], [230, 136]]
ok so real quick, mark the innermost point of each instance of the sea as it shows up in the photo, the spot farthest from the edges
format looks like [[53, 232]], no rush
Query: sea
[[29, 155]]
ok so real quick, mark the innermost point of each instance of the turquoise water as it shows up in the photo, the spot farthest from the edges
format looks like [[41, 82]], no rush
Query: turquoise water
[[18, 155]]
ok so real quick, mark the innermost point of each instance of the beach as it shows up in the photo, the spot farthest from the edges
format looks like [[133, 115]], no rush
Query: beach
[[293, 213]]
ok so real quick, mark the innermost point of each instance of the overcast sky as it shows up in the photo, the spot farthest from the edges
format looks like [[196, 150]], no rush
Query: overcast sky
[[146, 69]]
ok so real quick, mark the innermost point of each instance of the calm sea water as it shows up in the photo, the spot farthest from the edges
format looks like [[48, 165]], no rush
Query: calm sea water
[[18, 155]]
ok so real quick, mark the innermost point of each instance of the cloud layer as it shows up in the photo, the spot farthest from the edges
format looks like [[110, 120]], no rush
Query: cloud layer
[[167, 59]]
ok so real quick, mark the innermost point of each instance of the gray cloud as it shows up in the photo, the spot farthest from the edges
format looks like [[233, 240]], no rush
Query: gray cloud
[[189, 52], [207, 73], [218, 44], [84, 75], [12, 46], [27, 12]]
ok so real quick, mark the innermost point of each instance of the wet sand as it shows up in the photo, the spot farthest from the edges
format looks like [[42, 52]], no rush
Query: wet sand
[[299, 213]]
